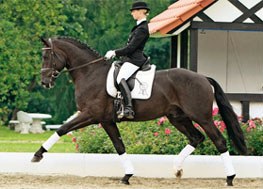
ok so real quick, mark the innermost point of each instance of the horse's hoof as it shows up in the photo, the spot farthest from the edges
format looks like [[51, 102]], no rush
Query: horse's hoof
[[125, 179], [179, 173], [125, 182], [229, 180], [36, 159]]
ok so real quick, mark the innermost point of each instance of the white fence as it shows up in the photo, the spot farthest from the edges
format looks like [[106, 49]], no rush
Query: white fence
[[157, 166]]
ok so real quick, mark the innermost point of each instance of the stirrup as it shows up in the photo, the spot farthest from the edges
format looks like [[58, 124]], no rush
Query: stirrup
[[120, 114], [120, 108]]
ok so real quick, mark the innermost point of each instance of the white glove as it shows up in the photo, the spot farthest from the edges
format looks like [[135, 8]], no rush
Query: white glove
[[110, 54]]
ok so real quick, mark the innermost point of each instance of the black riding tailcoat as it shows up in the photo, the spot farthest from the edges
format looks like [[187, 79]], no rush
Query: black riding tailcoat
[[133, 51]]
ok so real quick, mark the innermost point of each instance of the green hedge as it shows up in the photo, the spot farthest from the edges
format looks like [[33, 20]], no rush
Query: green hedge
[[160, 137]]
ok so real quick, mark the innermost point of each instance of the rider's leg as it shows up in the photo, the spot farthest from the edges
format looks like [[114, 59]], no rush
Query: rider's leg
[[126, 71], [125, 91]]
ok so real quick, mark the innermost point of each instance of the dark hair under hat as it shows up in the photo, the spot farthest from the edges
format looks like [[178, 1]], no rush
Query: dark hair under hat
[[139, 5]]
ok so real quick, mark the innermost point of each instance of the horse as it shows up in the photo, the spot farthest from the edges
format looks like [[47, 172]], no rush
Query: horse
[[181, 95]]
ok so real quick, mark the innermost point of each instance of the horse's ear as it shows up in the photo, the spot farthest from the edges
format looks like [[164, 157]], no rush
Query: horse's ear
[[44, 41]]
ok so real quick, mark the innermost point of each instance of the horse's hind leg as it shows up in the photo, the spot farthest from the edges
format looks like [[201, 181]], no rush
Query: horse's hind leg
[[184, 125], [219, 141], [114, 134]]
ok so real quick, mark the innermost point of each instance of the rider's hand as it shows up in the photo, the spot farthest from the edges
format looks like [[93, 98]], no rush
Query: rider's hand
[[110, 54]]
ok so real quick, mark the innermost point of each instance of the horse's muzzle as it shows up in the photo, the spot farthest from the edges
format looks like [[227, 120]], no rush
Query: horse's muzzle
[[47, 83]]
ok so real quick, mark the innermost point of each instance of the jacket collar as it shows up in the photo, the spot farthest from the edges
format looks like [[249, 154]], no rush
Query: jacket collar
[[138, 25], [140, 21]]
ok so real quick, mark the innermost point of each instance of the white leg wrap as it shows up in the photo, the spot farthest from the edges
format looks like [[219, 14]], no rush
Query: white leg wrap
[[127, 164], [229, 169], [51, 141], [178, 163]]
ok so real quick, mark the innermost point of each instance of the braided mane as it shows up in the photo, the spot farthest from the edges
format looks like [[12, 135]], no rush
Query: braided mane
[[79, 44]]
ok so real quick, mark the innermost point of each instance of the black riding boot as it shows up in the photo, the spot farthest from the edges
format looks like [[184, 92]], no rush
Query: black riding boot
[[126, 93]]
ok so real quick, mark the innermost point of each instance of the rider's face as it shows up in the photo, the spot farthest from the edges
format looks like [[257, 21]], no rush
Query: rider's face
[[138, 14]]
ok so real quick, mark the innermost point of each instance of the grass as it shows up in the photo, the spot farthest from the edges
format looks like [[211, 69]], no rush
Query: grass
[[10, 141]]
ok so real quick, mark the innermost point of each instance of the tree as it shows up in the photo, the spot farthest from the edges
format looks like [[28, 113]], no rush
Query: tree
[[20, 58], [103, 25], [102, 30], [60, 101]]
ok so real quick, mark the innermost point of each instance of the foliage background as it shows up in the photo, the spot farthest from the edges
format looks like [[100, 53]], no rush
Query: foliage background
[[160, 137], [104, 25], [92, 21]]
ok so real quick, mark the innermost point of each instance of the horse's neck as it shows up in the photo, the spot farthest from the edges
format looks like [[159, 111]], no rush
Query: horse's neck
[[78, 58], [90, 83], [94, 72], [91, 73]]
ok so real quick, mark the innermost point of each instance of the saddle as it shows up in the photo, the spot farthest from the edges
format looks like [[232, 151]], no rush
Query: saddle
[[140, 85], [131, 81]]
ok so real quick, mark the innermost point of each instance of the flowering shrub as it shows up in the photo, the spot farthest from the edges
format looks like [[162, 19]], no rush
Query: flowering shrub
[[253, 130], [160, 137]]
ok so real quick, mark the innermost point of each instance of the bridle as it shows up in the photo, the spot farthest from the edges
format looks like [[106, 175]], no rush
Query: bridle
[[53, 55]]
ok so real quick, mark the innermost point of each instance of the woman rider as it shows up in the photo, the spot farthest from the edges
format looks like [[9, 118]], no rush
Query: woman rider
[[132, 54]]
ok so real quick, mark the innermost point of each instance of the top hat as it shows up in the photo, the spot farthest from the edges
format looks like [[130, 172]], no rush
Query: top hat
[[139, 5]]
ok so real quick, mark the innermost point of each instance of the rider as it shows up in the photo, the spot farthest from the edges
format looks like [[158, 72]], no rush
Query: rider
[[132, 54]]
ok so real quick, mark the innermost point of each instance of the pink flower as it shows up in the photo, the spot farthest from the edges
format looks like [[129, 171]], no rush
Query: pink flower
[[161, 120], [77, 147], [216, 123], [222, 126], [196, 125], [74, 139], [156, 134], [215, 111], [167, 131], [251, 124]]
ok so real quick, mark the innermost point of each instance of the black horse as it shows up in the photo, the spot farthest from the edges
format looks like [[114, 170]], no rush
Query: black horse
[[181, 95]]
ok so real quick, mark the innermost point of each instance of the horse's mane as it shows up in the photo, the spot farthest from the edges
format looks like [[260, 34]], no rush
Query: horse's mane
[[79, 44]]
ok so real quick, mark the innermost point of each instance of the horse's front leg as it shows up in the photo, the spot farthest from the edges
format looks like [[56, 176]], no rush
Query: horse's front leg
[[81, 120], [114, 134]]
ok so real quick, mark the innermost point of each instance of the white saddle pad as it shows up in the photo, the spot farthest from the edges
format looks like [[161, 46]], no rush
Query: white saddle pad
[[142, 87]]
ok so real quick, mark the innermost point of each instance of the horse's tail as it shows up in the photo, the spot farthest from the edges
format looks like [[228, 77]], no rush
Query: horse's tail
[[229, 117]]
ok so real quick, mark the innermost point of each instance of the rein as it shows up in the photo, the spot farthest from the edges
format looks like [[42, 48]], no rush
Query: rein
[[81, 66]]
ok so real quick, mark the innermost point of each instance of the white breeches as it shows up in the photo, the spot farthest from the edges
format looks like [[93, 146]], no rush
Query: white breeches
[[126, 71]]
